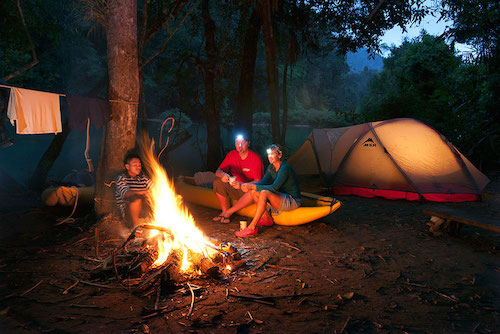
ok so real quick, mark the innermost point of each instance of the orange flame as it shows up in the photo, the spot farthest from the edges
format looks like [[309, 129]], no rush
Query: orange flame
[[169, 212]]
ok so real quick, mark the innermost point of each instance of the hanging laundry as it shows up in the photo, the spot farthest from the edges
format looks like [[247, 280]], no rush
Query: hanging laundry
[[81, 108], [34, 112]]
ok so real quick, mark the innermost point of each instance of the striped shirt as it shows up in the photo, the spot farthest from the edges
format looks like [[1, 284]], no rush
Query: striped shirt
[[125, 183]]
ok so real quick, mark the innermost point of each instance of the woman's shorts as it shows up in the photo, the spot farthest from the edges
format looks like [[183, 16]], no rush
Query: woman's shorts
[[288, 203]]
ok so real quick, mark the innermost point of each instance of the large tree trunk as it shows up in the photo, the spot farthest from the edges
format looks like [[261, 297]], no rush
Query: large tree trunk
[[120, 133], [244, 101], [265, 12], [211, 112]]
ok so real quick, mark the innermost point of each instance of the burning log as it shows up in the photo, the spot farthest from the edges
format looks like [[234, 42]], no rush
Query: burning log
[[204, 264]]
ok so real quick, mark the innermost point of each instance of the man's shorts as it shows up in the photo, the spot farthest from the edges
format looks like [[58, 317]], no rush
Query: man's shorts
[[226, 190]]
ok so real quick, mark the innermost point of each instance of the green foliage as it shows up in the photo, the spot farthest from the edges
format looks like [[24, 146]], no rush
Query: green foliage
[[424, 79]]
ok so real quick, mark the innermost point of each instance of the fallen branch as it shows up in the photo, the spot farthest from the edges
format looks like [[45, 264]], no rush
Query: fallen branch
[[88, 306], [192, 301], [285, 268], [30, 289], [345, 325], [65, 292], [99, 285], [292, 247], [160, 312], [453, 299], [257, 299]]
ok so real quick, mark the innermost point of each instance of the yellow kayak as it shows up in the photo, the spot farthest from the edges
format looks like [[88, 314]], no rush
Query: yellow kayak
[[313, 206]]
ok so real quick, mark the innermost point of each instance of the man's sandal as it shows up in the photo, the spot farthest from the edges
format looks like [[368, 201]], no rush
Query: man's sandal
[[221, 219], [217, 218]]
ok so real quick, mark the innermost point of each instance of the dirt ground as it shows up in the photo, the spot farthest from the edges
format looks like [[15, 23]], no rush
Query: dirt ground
[[371, 267]]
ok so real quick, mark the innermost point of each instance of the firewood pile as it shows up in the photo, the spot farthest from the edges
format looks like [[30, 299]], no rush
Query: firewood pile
[[132, 264]]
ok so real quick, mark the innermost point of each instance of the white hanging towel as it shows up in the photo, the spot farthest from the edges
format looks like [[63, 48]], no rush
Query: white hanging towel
[[34, 112]]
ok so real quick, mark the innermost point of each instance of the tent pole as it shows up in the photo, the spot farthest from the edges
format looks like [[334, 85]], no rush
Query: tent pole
[[395, 163]]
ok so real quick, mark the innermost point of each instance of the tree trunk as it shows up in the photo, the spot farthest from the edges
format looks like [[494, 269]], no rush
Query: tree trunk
[[211, 113], [120, 133], [244, 101], [271, 67], [284, 120]]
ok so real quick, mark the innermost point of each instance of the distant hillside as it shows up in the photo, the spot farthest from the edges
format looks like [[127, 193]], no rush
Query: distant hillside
[[358, 60]]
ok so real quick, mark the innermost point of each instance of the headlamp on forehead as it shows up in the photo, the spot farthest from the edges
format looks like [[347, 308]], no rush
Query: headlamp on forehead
[[274, 147], [240, 137]]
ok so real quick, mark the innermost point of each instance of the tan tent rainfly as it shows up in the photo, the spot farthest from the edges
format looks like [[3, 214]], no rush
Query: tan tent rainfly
[[398, 159]]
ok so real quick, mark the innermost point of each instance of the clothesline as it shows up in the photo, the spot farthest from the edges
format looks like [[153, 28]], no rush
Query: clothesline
[[115, 101]]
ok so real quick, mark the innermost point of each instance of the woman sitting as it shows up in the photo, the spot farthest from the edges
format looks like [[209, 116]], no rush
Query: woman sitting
[[279, 187]]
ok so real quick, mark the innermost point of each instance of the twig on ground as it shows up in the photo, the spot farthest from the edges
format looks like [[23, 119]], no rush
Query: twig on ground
[[159, 312], [65, 292], [453, 299], [99, 285], [32, 288], [78, 241], [96, 232], [88, 306], [257, 299], [292, 247], [192, 301], [381, 257], [345, 325], [157, 297], [416, 284], [285, 268]]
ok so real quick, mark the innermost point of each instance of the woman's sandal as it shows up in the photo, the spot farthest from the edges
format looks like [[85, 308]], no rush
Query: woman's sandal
[[246, 233], [263, 222]]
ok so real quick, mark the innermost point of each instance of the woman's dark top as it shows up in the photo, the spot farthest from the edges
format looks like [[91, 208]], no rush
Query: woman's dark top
[[284, 180]]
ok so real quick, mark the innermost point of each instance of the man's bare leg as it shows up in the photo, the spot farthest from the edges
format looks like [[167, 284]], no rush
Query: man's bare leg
[[223, 203], [134, 210]]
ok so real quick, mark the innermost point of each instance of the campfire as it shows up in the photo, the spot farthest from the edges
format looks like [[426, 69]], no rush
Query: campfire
[[171, 248]]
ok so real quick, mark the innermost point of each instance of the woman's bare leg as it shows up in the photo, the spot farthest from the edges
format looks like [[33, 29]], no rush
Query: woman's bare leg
[[261, 198]]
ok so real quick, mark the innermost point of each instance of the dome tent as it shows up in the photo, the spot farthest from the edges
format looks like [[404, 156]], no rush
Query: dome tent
[[398, 159]]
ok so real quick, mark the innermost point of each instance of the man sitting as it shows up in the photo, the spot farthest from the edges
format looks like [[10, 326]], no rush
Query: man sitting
[[241, 165], [131, 190]]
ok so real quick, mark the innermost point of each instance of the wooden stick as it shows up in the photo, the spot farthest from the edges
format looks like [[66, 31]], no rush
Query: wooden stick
[[88, 306], [99, 285], [97, 242], [445, 296], [65, 292], [83, 239], [30, 289], [345, 325], [158, 293], [192, 301], [285, 268], [293, 247], [257, 299]]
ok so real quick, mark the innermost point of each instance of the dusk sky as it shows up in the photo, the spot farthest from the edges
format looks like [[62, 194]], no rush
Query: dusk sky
[[429, 23]]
